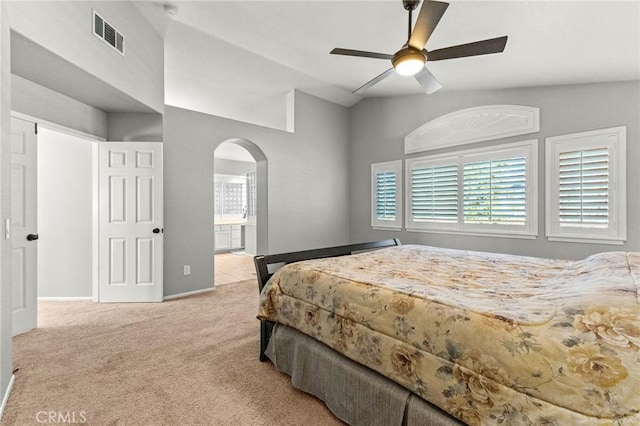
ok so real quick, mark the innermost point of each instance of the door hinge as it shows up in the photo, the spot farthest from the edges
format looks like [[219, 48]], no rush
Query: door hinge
[[36, 128]]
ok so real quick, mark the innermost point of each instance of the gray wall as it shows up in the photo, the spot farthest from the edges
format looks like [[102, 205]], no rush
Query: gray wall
[[44, 103], [307, 195], [6, 360], [38, 101], [134, 126], [232, 167], [378, 127], [64, 27]]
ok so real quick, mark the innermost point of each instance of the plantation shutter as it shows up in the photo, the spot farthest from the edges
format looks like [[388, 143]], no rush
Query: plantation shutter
[[386, 201], [434, 193], [583, 196], [586, 186], [385, 204], [483, 191], [495, 191]]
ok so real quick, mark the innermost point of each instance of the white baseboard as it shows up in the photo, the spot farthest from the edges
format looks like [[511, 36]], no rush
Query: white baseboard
[[188, 293], [5, 399], [63, 299]]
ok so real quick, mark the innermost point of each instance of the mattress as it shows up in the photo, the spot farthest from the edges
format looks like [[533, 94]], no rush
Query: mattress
[[488, 338]]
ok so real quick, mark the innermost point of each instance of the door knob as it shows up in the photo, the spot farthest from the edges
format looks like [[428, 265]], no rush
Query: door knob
[[32, 237], [156, 230]]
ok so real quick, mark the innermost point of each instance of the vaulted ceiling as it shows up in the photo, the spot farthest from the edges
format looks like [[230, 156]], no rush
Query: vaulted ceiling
[[240, 58]]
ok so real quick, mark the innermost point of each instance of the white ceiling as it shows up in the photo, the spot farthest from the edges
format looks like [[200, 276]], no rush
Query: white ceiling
[[239, 58]]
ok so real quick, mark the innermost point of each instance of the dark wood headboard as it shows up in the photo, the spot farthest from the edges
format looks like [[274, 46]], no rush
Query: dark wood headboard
[[266, 265]]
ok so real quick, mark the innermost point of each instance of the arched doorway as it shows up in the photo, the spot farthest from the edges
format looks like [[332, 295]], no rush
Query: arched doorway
[[240, 209]]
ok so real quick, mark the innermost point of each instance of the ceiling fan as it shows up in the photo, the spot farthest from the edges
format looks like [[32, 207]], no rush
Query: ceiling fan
[[412, 57]]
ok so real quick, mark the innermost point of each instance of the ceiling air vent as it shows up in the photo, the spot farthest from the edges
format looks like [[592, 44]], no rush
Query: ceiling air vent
[[108, 33]]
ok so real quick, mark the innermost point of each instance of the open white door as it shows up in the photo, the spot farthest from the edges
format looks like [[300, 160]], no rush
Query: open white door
[[23, 226], [131, 234]]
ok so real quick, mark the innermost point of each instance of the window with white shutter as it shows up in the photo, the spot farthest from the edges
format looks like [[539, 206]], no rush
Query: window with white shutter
[[586, 186], [386, 204], [583, 187], [386, 187], [434, 193], [495, 191], [486, 191]]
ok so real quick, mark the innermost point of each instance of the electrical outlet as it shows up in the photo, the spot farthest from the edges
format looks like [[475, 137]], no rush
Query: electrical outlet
[[187, 269]]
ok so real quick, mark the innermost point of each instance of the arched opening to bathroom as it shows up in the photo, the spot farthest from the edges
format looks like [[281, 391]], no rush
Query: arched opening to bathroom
[[240, 209]]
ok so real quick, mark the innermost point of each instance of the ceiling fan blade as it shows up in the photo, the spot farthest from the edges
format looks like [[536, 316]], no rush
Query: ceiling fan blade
[[484, 47], [361, 53], [429, 83], [376, 80], [428, 18]]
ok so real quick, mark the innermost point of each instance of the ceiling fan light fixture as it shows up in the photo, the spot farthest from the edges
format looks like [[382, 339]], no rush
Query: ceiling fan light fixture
[[408, 62]]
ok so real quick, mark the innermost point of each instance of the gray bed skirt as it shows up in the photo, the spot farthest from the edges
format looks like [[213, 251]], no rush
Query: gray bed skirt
[[355, 394]]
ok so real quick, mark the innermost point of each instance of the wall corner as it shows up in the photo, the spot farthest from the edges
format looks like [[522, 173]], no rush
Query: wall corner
[[291, 111]]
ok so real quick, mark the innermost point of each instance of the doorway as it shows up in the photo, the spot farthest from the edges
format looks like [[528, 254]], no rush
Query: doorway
[[55, 184], [66, 199], [239, 180], [52, 247], [100, 209]]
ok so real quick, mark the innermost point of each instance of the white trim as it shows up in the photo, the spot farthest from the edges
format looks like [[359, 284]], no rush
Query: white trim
[[63, 299], [5, 399], [58, 127], [188, 293], [396, 168], [471, 125], [586, 240], [615, 139], [498, 234], [95, 270]]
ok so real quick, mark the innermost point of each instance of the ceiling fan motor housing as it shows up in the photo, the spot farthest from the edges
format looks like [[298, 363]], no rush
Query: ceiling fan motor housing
[[405, 55]]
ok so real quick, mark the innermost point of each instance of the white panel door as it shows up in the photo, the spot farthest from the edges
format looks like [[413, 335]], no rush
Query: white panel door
[[23, 226], [131, 234]]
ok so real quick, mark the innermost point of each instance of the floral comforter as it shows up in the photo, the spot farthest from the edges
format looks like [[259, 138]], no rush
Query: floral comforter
[[489, 338]]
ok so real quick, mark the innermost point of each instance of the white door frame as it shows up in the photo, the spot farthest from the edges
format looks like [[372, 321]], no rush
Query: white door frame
[[94, 187]]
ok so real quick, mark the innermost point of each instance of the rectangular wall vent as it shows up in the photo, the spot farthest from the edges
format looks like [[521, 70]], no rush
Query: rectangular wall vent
[[108, 33]]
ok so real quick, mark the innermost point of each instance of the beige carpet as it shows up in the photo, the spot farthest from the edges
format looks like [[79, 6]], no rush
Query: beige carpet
[[190, 361]]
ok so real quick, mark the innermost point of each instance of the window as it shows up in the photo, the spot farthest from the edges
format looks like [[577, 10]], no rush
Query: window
[[495, 191], [252, 198], [230, 196], [386, 187], [434, 196], [586, 186], [487, 191]]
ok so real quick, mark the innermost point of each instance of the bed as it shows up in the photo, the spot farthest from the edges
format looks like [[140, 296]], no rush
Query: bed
[[475, 337]]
